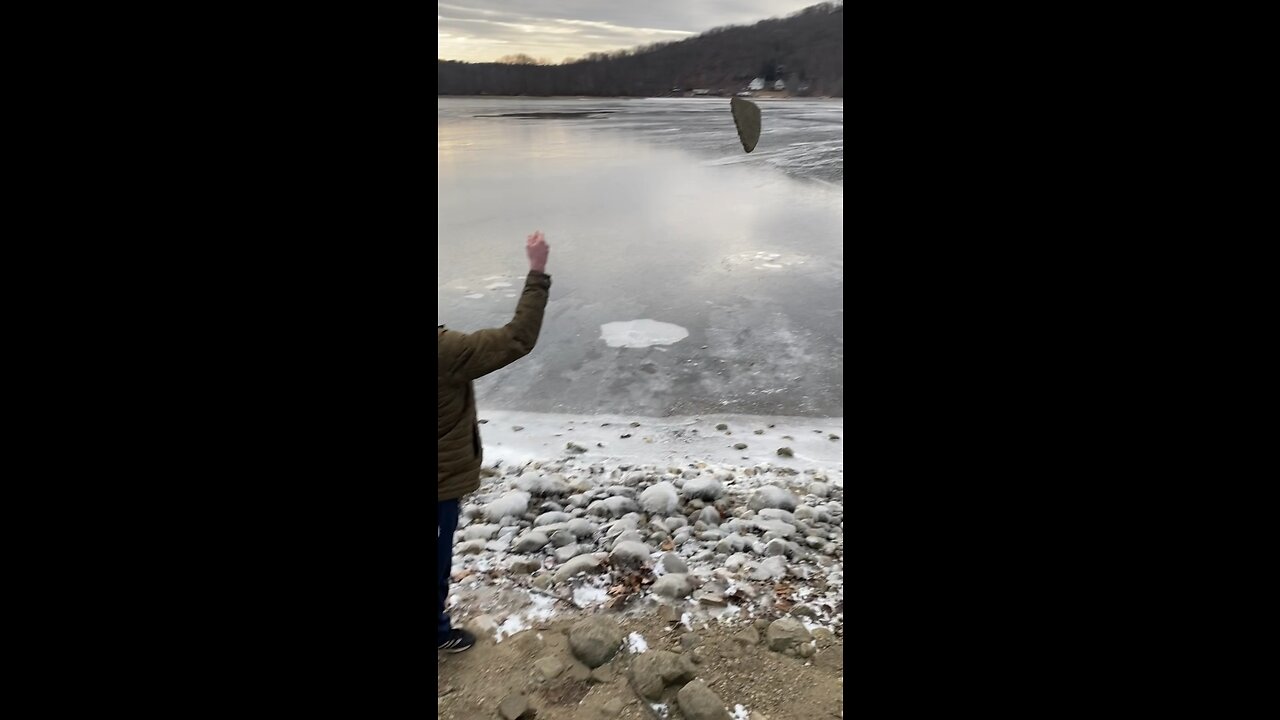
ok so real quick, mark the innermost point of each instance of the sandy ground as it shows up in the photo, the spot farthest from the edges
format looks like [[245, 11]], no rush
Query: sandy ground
[[766, 684]]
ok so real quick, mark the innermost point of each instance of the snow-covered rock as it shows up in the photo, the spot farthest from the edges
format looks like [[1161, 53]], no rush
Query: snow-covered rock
[[660, 498]]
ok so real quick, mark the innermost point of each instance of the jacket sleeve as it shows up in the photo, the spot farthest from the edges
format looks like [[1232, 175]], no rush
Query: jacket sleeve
[[473, 355]]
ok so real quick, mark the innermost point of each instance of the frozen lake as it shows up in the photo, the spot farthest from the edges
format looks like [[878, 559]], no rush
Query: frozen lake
[[688, 277]]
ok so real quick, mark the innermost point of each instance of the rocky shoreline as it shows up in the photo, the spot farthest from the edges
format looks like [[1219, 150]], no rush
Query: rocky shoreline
[[752, 550]]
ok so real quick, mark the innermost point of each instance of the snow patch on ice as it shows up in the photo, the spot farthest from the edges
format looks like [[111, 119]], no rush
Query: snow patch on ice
[[641, 333]]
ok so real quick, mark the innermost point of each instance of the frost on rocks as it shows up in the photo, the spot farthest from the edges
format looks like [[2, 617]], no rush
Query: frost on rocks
[[531, 542], [660, 498], [717, 536], [543, 486], [511, 504], [772, 569], [548, 518], [581, 528], [480, 532]]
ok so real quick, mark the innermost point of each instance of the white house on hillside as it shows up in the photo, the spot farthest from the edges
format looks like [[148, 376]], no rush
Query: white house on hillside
[[757, 84]]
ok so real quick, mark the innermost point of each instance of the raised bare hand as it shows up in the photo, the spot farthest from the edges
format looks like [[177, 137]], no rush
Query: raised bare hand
[[537, 250]]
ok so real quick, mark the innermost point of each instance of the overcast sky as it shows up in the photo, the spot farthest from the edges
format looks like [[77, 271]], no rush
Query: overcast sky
[[485, 30]]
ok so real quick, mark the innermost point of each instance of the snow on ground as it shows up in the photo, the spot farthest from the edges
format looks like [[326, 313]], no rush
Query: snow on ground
[[636, 643], [658, 440]]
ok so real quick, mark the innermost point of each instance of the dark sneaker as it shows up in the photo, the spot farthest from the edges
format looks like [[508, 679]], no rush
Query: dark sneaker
[[458, 641]]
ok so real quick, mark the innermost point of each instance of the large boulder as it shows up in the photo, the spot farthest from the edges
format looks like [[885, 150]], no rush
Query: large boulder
[[698, 702], [595, 640], [708, 515], [625, 536], [514, 707], [673, 563], [511, 504], [786, 633], [568, 552], [772, 496], [673, 586], [775, 514], [590, 564], [629, 554], [660, 499], [777, 527], [581, 528], [731, 544], [616, 506], [653, 671], [702, 488]]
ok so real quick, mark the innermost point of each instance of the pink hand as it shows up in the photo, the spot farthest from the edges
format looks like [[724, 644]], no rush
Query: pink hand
[[537, 250]]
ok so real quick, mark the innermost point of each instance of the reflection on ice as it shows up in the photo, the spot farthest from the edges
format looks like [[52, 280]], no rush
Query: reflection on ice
[[741, 262]]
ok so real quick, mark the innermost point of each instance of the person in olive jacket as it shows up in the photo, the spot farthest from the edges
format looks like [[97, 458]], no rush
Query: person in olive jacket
[[463, 358]]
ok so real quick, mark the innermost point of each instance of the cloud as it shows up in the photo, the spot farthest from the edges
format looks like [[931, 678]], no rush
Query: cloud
[[484, 30]]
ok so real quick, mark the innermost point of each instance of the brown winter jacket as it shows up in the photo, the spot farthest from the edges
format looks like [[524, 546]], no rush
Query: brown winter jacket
[[465, 357]]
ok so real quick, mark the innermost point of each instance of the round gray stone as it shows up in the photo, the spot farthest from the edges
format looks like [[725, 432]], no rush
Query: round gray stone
[[595, 640]]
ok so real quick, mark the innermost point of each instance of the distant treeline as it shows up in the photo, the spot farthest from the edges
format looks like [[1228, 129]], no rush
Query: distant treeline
[[805, 51]]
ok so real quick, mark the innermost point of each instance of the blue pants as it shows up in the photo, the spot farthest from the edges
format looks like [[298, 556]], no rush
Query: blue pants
[[444, 558]]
